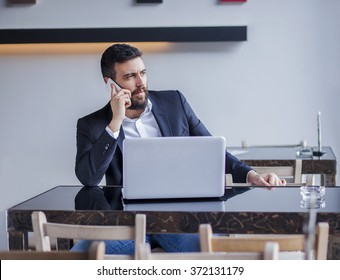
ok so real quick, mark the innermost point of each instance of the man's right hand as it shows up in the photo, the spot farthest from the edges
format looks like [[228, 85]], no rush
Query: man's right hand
[[119, 102]]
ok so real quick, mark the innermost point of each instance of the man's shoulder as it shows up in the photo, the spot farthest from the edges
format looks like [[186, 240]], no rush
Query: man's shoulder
[[162, 92], [165, 94]]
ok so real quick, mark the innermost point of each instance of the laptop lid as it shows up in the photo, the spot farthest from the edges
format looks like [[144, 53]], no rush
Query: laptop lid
[[173, 167]]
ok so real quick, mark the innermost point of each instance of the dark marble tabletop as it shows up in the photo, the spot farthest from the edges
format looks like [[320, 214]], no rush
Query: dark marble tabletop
[[238, 199], [243, 210]]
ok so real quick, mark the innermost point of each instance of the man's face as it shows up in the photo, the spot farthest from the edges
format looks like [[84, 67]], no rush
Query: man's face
[[131, 75]]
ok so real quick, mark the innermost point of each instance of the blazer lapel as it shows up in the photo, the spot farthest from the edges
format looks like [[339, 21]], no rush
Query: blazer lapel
[[161, 117]]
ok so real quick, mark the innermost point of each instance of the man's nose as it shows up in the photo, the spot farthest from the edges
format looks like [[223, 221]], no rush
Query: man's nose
[[139, 81]]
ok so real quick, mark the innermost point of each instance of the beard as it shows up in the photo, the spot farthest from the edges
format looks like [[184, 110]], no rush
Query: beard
[[139, 103]]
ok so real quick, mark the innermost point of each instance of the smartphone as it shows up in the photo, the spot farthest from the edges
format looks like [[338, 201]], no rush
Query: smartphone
[[108, 84]]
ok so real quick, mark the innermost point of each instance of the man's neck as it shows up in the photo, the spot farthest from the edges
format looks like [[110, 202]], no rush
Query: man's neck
[[133, 114]]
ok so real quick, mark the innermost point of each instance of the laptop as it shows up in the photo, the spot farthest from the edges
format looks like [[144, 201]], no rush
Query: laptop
[[163, 168]]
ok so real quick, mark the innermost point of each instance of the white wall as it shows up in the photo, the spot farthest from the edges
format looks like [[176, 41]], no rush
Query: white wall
[[266, 90]]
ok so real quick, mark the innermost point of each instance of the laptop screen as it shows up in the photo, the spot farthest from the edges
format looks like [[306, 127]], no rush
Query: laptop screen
[[173, 167]]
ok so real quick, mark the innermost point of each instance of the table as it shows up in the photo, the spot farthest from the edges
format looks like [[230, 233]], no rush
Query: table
[[286, 155], [245, 210]]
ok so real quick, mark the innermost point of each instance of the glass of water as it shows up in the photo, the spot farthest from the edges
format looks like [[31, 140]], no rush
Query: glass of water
[[313, 196]]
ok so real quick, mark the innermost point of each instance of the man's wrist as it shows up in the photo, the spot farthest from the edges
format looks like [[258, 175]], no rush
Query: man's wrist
[[250, 175], [115, 124], [113, 134]]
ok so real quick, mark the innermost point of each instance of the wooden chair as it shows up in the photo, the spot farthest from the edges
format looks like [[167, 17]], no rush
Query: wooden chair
[[229, 183], [292, 174], [291, 245], [95, 252], [303, 143], [43, 230], [270, 252]]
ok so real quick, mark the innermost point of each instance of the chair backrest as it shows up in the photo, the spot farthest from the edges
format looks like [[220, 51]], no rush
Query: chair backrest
[[95, 252], [256, 242], [292, 173], [310, 181], [270, 252], [321, 241], [303, 143], [43, 230]]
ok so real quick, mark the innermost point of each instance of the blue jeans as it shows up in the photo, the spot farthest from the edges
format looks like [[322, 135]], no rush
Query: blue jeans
[[168, 242]]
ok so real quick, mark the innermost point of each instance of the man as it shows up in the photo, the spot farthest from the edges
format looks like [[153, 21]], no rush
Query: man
[[134, 111]]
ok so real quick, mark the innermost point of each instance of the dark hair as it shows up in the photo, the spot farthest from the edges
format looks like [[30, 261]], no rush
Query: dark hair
[[117, 53]]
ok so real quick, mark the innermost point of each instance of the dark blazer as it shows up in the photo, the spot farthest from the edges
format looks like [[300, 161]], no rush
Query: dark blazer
[[99, 154]]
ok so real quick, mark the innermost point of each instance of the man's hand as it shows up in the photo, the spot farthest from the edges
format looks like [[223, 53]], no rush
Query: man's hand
[[119, 102], [266, 179]]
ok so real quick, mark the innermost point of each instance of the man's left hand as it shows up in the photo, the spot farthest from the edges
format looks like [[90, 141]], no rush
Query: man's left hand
[[266, 179]]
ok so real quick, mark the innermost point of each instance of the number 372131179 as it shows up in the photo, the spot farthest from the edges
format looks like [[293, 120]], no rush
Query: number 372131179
[[204, 270]]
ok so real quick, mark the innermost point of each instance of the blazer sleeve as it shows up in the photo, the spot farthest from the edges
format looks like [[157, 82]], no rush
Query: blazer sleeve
[[237, 168], [94, 153], [196, 127]]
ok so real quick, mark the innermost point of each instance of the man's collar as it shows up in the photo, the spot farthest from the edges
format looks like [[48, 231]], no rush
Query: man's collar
[[148, 107]]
